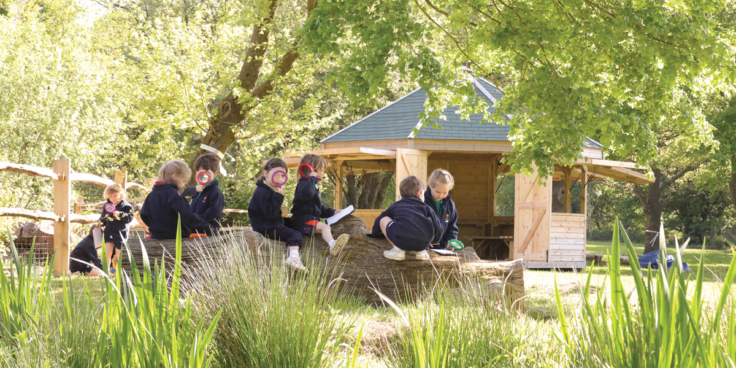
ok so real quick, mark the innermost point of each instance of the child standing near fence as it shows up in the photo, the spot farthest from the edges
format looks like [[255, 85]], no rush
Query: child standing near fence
[[116, 217], [207, 200], [164, 206], [438, 197], [307, 206], [264, 211]]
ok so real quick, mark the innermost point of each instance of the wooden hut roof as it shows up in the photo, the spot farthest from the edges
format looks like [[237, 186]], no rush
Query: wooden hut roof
[[398, 119]]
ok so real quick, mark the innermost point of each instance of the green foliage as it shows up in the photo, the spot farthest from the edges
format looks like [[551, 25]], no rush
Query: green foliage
[[272, 316], [472, 326], [660, 327], [573, 69], [139, 322]]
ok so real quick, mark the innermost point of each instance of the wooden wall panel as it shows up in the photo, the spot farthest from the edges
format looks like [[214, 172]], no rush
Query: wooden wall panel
[[567, 237], [410, 162], [532, 202]]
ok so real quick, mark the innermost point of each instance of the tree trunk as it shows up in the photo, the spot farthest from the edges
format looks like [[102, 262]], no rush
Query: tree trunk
[[231, 113], [368, 184], [352, 190], [381, 192], [653, 212]]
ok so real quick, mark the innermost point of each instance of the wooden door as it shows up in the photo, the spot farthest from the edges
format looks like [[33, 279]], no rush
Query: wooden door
[[532, 217], [410, 162]]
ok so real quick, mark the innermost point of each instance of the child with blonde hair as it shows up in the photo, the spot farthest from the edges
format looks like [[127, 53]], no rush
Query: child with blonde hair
[[116, 217], [164, 206], [438, 197], [307, 209]]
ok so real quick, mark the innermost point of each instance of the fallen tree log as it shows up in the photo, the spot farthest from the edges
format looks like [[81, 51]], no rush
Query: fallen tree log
[[365, 268]]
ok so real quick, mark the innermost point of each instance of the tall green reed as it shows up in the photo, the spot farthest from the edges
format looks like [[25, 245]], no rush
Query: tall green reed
[[136, 323], [662, 325], [468, 326], [272, 315]]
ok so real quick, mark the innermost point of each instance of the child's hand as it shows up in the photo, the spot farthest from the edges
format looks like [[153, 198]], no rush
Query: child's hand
[[313, 173], [280, 191], [337, 211], [200, 188]]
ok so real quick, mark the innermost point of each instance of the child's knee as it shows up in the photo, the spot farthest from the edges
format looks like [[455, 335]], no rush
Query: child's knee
[[324, 227]]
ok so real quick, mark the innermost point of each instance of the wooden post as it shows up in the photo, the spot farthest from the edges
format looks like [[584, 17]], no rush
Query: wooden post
[[62, 192], [410, 162], [338, 185], [567, 171], [121, 177], [584, 189], [78, 205], [493, 172]]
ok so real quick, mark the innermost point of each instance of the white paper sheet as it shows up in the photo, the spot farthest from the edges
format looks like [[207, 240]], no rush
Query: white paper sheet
[[339, 216]]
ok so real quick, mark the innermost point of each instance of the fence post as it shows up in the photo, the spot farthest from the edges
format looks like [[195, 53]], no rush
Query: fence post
[[121, 177], [62, 192]]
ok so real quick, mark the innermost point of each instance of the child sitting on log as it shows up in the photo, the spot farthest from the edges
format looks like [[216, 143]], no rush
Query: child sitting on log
[[307, 209], [85, 251], [409, 224], [438, 197], [207, 200], [117, 214], [264, 210], [164, 206]]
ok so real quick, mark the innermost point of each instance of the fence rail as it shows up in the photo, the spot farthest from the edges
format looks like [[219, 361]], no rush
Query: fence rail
[[62, 215]]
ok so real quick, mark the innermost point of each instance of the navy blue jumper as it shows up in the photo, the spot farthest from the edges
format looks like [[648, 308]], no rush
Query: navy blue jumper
[[414, 227], [447, 215], [84, 251], [264, 211], [307, 205], [117, 225], [207, 204], [162, 209]]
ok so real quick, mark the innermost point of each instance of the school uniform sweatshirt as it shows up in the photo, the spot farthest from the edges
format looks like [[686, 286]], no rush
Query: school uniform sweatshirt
[[264, 208], [84, 251], [207, 204], [307, 203], [447, 214], [161, 211], [414, 220], [117, 225]]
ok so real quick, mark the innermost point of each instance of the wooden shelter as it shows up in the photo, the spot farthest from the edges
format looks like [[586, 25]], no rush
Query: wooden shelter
[[543, 236]]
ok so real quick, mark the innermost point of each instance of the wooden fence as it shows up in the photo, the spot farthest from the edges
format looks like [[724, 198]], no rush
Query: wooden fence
[[62, 215]]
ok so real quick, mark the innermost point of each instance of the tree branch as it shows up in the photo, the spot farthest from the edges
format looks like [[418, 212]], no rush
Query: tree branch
[[254, 56], [682, 172]]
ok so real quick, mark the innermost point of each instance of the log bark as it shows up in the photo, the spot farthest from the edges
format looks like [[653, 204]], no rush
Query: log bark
[[365, 268]]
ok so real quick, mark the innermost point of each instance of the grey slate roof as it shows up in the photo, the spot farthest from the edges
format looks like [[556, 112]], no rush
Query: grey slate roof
[[398, 119]]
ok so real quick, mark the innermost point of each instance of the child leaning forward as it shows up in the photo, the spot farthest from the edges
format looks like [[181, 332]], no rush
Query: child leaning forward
[[409, 224]]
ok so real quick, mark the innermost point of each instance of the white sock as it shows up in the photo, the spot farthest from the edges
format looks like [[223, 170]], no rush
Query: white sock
[[332, 243], [294, 253]]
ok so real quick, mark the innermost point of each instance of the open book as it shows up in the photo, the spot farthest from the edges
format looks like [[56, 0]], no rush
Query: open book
[[341, 215]]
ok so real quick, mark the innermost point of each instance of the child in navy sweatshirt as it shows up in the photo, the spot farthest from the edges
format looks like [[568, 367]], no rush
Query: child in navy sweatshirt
[[264, 210], [164, 205], [438, 197], [85, 251], [116, 216], [307, 209], [207, 200], [409, 224]]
